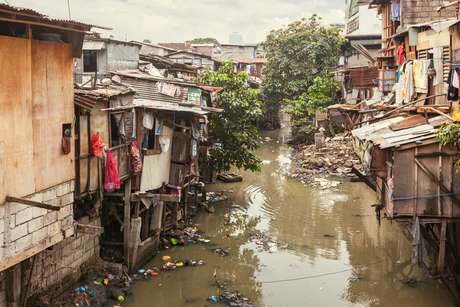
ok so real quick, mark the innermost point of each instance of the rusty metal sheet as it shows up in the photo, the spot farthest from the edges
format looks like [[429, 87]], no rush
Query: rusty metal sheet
[[410, 122]]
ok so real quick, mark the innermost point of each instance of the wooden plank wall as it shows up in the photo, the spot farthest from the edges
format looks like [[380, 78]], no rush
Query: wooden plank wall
[[16, 146], [52, 103], [36, 98]]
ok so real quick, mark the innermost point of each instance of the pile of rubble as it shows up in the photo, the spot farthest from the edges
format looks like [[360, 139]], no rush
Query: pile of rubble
[[317, 166]]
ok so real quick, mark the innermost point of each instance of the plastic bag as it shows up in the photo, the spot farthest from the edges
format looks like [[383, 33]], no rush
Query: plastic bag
[[97, 145]]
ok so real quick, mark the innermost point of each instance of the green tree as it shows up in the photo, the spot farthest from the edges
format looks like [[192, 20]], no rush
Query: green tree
[[296, 55], [235, 128], [205, 40]]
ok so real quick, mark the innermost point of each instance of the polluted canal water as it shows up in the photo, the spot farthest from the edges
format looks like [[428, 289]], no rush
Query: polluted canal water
[[326, 248]]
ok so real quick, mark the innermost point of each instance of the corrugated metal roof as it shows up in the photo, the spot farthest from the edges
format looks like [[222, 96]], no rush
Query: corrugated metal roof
[[87, 98], [147, 89], [162, 106], [380, 133], [25, 14]]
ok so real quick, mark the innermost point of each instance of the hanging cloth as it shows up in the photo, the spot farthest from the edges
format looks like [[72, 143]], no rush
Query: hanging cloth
[[401, 53], [97, 145], [408, 90], [452, 92], [112, 177], [395, 11], [421, 75], [135, 155], [148, 121]]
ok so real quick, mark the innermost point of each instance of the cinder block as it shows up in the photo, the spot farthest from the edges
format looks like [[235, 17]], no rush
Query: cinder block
[[2, 225], [56, 202], [15, 207], [35, 224], [49, 194], [54, 229], [69, 233], [63, 189], [38, 197], [67, 223], [65, 212], [37, 212], [67, 199], [23, 243], [72, 186], [23, 216], [50, 217], [2, 212], [39, 235], [18, 232]]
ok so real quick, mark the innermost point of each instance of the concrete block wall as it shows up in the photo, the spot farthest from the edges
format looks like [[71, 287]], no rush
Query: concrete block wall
[[65, 262], [419, 11], [24, 227]]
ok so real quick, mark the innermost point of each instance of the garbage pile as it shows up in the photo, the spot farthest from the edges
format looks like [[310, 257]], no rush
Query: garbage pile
[[171, 265], [181, 237], [97, 288], [190, 235], [229, 298], [216, 197], [315, 165]]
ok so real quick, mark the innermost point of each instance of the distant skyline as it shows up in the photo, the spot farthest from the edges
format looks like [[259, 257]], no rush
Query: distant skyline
[[181, 20]]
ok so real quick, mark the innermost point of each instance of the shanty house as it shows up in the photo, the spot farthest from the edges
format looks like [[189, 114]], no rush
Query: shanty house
[[193, 58], [233, 51], [102, 55], [401, 23], [168, 127], [154, 49], [37, 162]]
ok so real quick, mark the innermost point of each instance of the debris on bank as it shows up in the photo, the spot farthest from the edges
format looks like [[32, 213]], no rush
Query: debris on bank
[[229, 298], [316, 166], [98, 287]]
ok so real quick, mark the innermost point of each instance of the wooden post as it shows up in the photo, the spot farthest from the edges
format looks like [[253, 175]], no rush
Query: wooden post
[[127, 222], [442, 246], [136, 224], [13, 286]]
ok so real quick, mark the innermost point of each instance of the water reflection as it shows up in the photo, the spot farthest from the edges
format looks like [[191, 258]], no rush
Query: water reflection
[[336, 255]]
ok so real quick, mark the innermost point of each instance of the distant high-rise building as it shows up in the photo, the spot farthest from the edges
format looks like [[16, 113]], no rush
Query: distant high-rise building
[[235, 38]]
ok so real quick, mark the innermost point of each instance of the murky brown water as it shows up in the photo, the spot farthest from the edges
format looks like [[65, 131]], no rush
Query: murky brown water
[[355, 246]]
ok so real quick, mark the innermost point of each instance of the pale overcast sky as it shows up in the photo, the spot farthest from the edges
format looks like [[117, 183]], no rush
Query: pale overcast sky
[[180, 20]]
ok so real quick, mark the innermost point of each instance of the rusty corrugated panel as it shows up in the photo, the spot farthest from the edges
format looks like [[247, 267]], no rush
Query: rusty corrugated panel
[[363, 77], [147, 89], [84, 102]]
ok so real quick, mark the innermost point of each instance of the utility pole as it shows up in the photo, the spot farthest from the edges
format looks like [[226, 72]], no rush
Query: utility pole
[[68, 8]]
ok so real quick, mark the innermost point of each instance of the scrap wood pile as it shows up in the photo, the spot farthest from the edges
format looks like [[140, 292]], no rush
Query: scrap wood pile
[[316, 165]]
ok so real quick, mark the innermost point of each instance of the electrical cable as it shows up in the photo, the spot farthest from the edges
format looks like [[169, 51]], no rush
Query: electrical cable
[[314, 275]]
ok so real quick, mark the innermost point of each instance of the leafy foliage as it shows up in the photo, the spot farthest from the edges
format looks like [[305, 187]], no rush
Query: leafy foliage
[[449, 134], [204, 40], [297, 55], [321, 94], [235, 128]]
